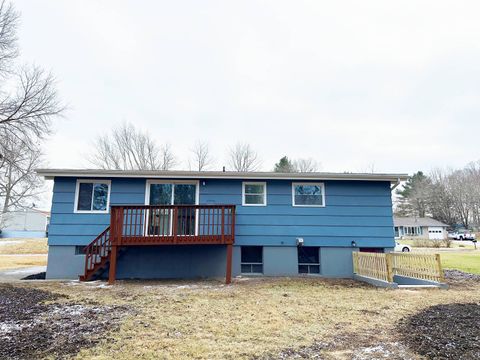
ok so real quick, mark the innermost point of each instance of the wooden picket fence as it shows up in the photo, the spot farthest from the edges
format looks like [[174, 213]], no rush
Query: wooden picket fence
[[384, 266]]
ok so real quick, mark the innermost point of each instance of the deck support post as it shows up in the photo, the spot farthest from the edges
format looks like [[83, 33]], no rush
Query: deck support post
[[228, 274], [113, 265]]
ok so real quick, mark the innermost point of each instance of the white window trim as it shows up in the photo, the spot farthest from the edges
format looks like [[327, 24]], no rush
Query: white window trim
[[191, 182], [321, 184], [264, 183], [166, 181], [92, 181]]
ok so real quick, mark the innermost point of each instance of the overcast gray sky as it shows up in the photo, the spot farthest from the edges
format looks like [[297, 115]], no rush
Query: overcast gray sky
[[349, 83]]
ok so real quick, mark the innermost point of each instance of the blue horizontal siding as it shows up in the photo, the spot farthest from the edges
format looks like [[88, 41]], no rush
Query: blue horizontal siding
[[284, 187], [312, 220], [336, 241], [355, 210]]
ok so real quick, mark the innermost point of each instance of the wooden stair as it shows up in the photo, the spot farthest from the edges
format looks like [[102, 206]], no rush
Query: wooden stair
[[97, 255]]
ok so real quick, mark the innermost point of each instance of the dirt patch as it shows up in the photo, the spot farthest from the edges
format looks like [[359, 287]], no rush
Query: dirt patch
[[447, 331], [358, 346], [460, 276], [33, 324], [39, 276]]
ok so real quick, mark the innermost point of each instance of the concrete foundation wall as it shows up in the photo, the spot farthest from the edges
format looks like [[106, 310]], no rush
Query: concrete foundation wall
[[63, 263], [196, 261]]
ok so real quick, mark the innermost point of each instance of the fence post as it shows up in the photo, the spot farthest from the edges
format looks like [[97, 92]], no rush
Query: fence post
[[389, 262], [439, 266]]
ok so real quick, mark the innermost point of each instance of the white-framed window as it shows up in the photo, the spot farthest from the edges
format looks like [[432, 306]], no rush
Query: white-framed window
[[308, 194], [92, 196], [254, 193]]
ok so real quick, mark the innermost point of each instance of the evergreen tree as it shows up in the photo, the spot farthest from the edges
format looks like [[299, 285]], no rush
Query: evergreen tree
[[285, 165], [414, 196]]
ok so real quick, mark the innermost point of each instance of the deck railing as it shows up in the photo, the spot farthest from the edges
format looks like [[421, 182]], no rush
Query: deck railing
[[172, 224]]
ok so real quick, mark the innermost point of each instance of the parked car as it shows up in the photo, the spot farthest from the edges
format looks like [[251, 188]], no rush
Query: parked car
[[462, 235], [402, 247]]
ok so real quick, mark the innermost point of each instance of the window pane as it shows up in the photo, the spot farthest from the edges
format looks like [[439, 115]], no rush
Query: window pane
[[85, 196], [100, 196], [161, 194], [246, 268], [308, 255], [184, 194], [314, 269], [308, 195], [308, 200], [254, 199], [257, 268], [303, 269], [252, 254], [308, 190], [254, 188]]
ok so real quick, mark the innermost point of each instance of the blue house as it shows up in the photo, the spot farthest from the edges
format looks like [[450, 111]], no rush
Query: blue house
[[179, 224]]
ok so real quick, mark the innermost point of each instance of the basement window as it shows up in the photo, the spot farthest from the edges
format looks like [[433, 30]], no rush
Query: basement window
[[92, 196], [80, 250], [308, 260], [252, 259]]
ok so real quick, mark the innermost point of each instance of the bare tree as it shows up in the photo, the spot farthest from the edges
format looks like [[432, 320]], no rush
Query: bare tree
[[26, 115], [168, 158], [19, 185], [8, 36], [201, 158], [306, 165], [28, 102], [243, 158], [128, 148]]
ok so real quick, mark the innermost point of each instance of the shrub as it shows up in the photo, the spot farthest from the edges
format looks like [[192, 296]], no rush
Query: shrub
[[447, 242], [426, 243]]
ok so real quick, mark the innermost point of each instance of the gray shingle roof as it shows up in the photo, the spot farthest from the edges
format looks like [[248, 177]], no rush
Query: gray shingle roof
[[413, 221]]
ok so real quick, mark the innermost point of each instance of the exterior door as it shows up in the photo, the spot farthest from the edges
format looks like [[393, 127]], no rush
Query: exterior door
[[161, 221]]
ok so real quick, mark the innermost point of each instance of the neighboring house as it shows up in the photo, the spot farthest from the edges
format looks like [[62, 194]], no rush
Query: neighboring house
[[183, 224], [27, 223], [425, 228]]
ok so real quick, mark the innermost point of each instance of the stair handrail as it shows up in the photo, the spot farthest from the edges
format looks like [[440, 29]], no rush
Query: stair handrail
[[98, 248]]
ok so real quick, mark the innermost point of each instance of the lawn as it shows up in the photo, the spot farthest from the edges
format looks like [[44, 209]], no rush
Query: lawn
[[464, 261], [255, 318], [23, 246], [420, 243], [20, 252]]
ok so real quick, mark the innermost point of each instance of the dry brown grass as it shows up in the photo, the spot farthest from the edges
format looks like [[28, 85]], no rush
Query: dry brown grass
[[15, 261], [206, 320], [23, 246]]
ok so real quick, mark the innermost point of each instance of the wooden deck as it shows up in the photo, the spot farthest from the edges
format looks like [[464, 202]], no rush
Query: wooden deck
[[142, 225]]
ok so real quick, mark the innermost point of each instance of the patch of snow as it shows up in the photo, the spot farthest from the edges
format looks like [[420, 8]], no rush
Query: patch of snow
[[381, 351], [26, 270], [104, 286], [10, 242], [186, 287], [8, 327]]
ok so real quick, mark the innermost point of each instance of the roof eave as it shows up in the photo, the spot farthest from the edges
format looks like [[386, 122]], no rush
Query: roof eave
[[50, 174]]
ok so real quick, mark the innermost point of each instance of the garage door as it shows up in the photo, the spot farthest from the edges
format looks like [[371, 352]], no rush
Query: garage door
[[435, 233]]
